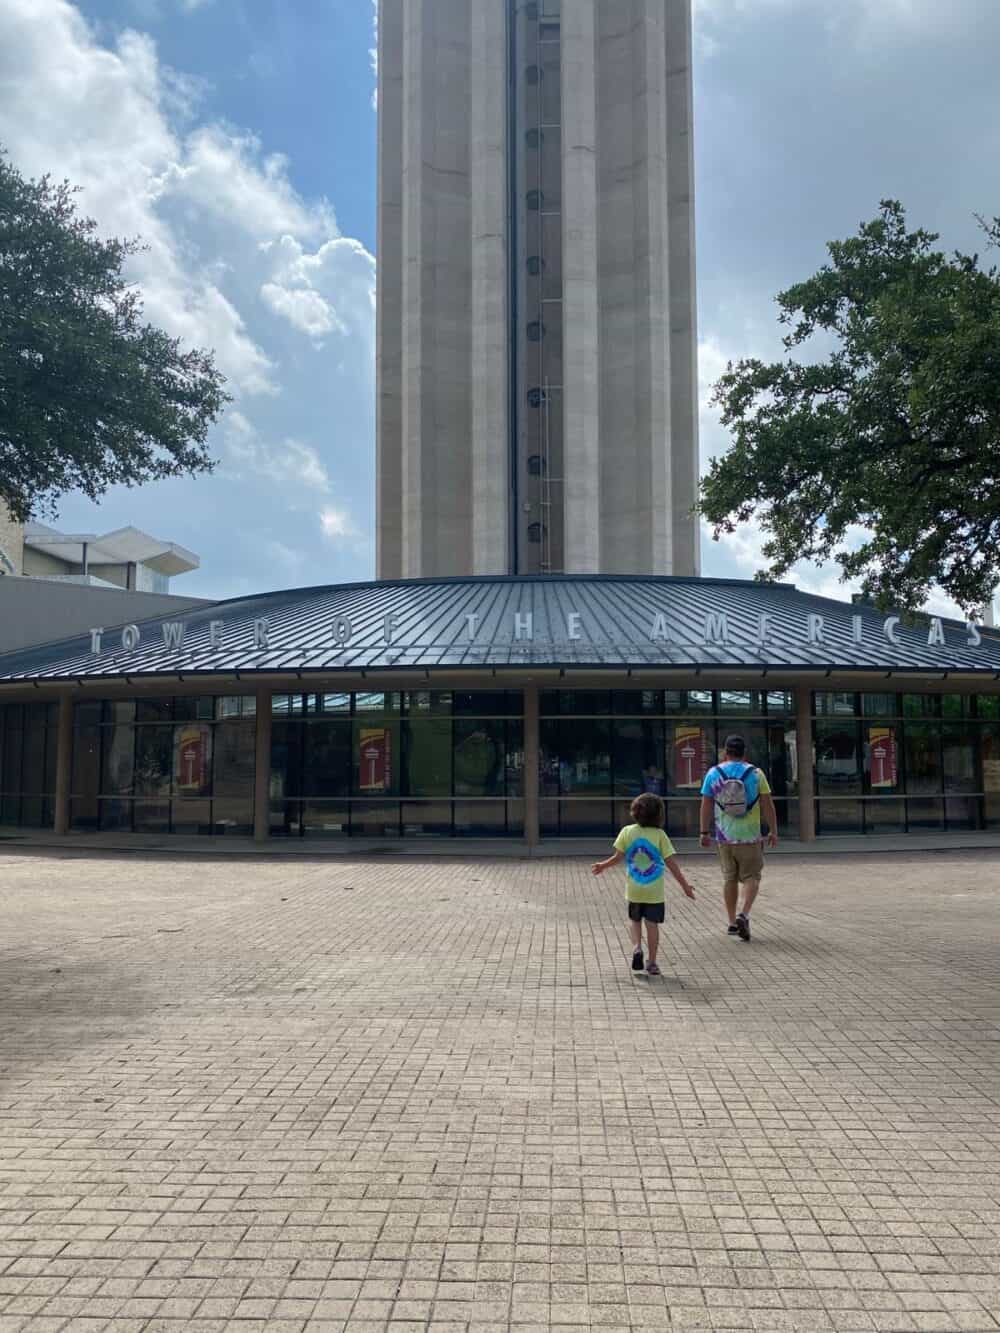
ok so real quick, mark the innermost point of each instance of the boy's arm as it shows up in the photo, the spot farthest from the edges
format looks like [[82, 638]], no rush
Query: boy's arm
[[707, 821], [599, 867], [771, 817], [673, 866]]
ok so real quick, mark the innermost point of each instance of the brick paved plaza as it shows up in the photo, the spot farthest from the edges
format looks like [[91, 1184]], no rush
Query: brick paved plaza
[[429, 1095]]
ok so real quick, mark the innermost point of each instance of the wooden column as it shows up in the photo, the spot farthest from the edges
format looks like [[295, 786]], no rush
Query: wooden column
[[64, 764], [262, 769], [531, 835], [804, 748]]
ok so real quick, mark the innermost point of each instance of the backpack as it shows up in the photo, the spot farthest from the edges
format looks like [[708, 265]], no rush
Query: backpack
[[731, 797]]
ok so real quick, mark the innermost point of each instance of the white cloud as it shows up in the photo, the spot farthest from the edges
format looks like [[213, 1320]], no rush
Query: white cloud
[[310, 289], [337, 524], [373, 55], [290, 463]]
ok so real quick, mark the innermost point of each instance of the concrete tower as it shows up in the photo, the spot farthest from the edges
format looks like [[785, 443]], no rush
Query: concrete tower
[[537, 380]]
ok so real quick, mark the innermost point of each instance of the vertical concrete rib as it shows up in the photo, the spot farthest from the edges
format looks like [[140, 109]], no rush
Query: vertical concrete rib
[[416, 16], [683, 297], [488, 172], [657, 436], [580, 294], [389, 352]]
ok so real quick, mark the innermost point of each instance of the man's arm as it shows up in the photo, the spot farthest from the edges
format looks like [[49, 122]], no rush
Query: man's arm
[[770, 818], [599, 867], [707, 820]]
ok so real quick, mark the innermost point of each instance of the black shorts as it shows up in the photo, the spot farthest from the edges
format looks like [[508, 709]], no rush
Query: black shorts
[[655, 912]]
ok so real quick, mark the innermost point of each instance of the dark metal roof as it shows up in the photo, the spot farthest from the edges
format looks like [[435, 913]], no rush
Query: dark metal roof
[[615, 628]]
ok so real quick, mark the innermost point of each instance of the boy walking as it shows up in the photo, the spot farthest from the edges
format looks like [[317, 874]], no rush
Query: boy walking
[[733, 796], [647, 853]]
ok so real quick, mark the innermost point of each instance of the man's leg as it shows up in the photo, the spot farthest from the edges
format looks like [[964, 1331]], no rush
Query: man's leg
[[730, 880], [635, 928], [751, 887]]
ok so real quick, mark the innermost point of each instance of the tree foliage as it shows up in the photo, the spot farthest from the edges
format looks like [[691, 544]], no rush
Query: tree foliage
[[90, 395], [884, 452]]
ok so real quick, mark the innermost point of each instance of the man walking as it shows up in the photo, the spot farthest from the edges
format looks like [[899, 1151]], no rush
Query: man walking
[[733, 796]]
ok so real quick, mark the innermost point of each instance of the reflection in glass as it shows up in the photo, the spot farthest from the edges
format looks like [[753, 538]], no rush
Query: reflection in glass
[[838, 759], [427, 758], [839, 816], [480, 757], [923, 758], [639, 757]]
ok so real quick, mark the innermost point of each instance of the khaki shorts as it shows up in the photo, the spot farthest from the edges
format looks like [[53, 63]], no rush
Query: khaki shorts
[[741, 861]]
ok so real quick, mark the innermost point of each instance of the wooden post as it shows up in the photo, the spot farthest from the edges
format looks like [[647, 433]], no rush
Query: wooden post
[[262, 769], [64, 764], [531, 835], [804, 749]]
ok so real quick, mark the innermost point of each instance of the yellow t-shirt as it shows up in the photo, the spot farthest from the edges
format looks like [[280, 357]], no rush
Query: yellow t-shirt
[[646, 852]]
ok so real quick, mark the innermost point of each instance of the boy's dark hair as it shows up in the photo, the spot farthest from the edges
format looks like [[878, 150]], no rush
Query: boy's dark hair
[[649, 811], [736, 746]]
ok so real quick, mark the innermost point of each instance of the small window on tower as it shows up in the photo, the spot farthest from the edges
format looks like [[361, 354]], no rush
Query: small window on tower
[[533, 74], [537, 532], [536, 265], [536, 397], [534, 138], [536, 201], [537, 466], [531, 10], [536, 331]]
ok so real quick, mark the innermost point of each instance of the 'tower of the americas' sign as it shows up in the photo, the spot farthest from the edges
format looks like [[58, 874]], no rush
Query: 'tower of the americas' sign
[[717, 632]]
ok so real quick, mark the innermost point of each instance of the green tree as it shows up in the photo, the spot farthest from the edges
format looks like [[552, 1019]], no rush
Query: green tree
[[90, 395], [894, 433]]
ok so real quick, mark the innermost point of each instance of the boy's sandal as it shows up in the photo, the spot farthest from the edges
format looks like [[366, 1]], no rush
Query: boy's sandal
[[653, 970]]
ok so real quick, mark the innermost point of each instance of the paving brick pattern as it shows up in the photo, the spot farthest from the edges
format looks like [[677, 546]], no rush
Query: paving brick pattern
[[426, 1095]]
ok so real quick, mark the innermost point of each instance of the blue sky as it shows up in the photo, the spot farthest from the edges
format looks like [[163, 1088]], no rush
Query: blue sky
[[238, 138]]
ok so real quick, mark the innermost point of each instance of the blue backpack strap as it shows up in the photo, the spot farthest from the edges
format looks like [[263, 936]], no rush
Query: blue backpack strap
[[750, 768]]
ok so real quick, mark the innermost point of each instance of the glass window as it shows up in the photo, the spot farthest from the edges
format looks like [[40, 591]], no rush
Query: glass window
[[640, 757], [119, 711], [151, 710], [683, 819], [33, 754], [229, 705], [679, 703], [782, 762], [880, 705], [376, 703], [839, 816], [585, 759], [923, 758], [955, 705], [235, 761], [375, 758], [326, 763], [515, 758], [480, 819], [154, 761], [191, 817], [151, 817], [88, 713], [486, 703], [921, 705], [780, 701], [427, 758], [748, 703], [958, 743], [579, 703], [829, 703], [281, 703], [586, 819], [335, 703], [885, 815], [375, 819], [426, 819], [286, 760], [838, 759], [194, 708], [925, 814], [325, 819], [989, 758], [480, 757], [192, 743], [632, 703], [428, 703], [118, 762], [988, 706]]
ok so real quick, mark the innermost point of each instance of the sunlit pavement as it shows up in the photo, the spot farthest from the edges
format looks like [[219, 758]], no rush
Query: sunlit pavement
[[425, 1094]]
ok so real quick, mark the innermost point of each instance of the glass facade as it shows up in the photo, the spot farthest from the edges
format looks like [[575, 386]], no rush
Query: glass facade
[[398, 764], [890, 762], [28, 764], [601, 748], [169, 765], [448, 763]]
